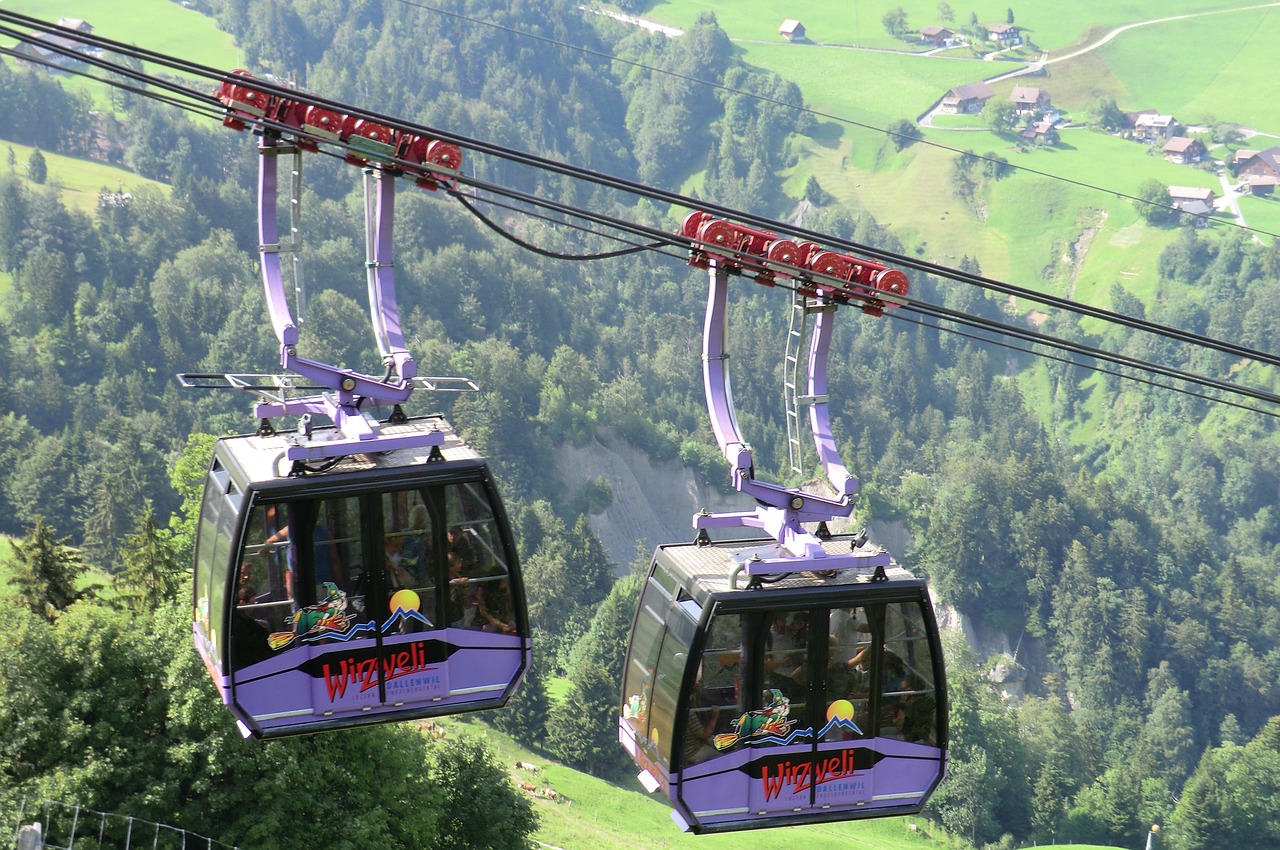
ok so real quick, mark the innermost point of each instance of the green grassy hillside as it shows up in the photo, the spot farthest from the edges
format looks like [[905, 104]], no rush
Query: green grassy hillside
[[164, 27], [596, 815], [1059, 223], [159, 25], [1219, 84], [6, 571], [865, 85], [79, 181], [1051, 25], [1021, 227]]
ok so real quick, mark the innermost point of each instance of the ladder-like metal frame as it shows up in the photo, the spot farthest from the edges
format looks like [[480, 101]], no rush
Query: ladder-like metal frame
[[793, 399]]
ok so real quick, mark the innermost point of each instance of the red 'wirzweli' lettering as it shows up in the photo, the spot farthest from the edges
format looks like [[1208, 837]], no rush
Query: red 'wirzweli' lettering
[[800, 776], [412, 659]]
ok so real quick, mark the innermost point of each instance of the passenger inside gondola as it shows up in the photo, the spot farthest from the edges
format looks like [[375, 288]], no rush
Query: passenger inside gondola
[[262, 605], [461, 543], [701, 725], [495, 606], [416, 549], [913, 713], [464, 600], [398, 574], [786, 653], [326, 563]]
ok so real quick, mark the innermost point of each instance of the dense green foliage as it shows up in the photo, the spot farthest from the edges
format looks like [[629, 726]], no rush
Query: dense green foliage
[[1136, 572], [109, 716]]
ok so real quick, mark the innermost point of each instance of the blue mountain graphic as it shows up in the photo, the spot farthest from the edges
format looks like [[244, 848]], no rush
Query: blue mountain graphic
[[400, 616]]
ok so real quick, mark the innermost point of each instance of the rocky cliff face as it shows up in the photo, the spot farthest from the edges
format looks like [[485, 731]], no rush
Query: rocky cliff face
[[654, 503]]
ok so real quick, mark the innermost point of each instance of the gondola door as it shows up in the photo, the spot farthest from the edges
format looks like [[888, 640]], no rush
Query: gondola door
[[832, 713], [804, 759], [389, 602], [805, 715]]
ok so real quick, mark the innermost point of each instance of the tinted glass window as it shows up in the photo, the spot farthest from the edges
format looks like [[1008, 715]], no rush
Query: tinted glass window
[[411, 536], [263, 605], [223, 533], [910, 696], [205, 565], [848, 675], [642, 660], [480, 595], [716, 700], [673, 655]]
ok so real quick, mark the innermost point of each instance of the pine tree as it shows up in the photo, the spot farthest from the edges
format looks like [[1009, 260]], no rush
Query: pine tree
[[37, 168], [590, 563], [111, 510], [582, 729], [1048, 804], [525, 716], [153, 573], [1200, 819], [45, 572]]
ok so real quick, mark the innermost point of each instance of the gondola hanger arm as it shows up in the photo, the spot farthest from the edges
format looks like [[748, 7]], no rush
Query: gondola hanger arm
[[826, 280]]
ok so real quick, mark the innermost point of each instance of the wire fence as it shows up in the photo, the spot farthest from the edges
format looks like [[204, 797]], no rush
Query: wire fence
[[51, 825]]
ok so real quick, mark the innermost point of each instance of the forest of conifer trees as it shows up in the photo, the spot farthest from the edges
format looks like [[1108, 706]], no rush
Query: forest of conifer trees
[[1135, 568]]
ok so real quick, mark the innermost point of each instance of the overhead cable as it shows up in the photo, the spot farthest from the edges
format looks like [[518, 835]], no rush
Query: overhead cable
[[206, 105]]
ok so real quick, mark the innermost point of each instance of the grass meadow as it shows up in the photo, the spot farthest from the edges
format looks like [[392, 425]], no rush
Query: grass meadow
[[1153, 69], [1023, 228], [164, 27], [79, 181], [604, 816], [1050, 25], [6, 571], [864, 85], [1261, 213]]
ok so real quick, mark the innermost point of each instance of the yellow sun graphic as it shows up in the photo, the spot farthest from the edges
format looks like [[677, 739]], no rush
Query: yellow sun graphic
[[404, 600], [841, 709]]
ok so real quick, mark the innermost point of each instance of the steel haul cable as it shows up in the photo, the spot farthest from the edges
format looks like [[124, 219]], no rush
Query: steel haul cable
[[207, 105]]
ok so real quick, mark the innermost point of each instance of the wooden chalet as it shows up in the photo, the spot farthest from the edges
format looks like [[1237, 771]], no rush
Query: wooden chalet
[[1040, 133], [937, 36], [1184, 151], [966, 99], [1152, 127], [53, 51], [1004, 34], [1260, 171], [1264, 163], [1193, 201], [1181, 194], [792, 30], [1029, 99]]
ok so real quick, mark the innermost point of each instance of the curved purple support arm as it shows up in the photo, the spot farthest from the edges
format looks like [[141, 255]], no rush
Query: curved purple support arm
[[269, 244], [348, 388], [819, 417], [382, 293], [715, 376], [781, 510]]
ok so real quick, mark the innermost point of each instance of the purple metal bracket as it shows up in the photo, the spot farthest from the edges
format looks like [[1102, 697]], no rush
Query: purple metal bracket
[[348, 389], [781, 510]]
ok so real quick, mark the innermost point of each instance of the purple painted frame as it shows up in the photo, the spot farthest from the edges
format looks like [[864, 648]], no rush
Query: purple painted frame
[[304, 689], [349, 389], [780, 511], [870, 777]]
